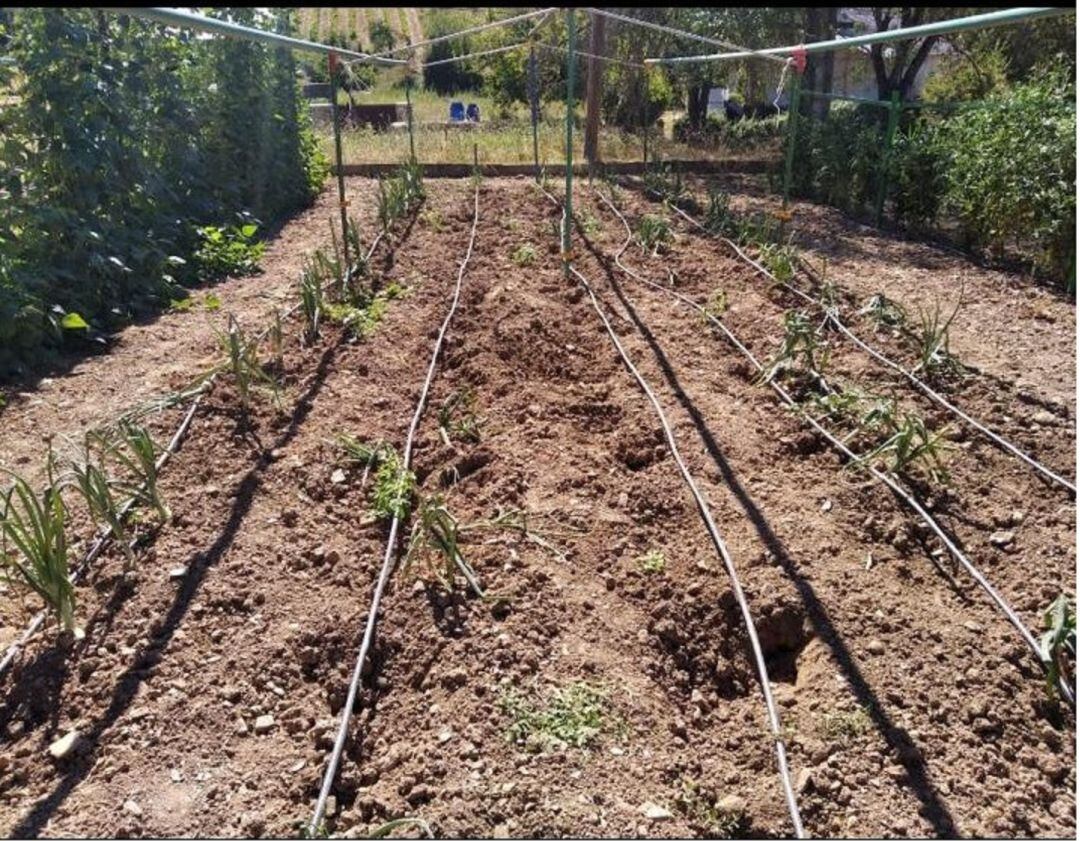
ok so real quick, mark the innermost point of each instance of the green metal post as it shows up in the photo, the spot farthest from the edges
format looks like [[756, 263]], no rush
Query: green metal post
[[332, 63], [886, 156], [569, 213], [793, 125], [408, 108], [534, 107]]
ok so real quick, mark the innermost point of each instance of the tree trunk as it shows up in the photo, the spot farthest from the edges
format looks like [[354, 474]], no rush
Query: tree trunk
[[820, 25], [697, 106], [593, 81]]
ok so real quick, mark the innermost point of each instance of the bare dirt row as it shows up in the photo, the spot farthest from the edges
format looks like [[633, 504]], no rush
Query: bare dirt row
[[910, 708]]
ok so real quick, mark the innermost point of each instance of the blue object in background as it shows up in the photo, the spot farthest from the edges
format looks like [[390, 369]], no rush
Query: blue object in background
[[457, 112], [472, 113]]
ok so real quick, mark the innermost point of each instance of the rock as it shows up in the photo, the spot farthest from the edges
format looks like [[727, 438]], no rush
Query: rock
[[252, 824], [1044, 418], [338, 476], [875, 647], [655, 812], [177, 572], [974, 627], [1002, 539], [826, 506], [264, 724], [133, 808], [805, 781], [65, 746], [731, 804]]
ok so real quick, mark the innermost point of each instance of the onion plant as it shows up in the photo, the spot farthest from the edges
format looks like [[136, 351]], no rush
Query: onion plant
[[242, 361], [909, 443], [105, 509], [435, 542], [457, 417], [653, 234], [800, 347], [780, 259], [933, 342], [133, 448], [311, 301], [719, 219], [33, 544], [884, 311]]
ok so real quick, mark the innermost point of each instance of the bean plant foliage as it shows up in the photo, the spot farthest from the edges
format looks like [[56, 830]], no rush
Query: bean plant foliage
[[123, 146]]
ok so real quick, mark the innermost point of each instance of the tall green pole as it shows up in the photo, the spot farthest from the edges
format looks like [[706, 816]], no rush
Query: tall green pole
[[332, 63], [408, 108], [567, 219], [534, 107], [793, 125], [886, 157]]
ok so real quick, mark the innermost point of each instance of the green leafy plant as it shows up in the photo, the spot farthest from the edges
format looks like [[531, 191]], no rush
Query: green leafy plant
[[1057, 646], [652, 562], [800, 348], [719, 218], [228, 251], [34, 544], [242, 361], [780, 260], [524, 255], [435, 543], [653, 234], [701, 809], [395, 488], [574, 716]]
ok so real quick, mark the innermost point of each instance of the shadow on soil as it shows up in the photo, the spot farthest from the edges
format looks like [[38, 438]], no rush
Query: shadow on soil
[[934, 807], [39, 673]]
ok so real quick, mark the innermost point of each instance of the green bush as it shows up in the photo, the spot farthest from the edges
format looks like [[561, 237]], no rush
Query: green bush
[[225, 252], [120, 140]]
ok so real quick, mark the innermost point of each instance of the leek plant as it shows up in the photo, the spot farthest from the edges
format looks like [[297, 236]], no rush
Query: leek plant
[[133, 448], [435, 540], [33, 544], [242, 361], [1057, 645], [105, 510]]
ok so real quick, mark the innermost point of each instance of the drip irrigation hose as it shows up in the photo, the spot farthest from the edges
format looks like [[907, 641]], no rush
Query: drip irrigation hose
[[104, 534], [389, 556], [721, 548], [890, 480], [834, 317]]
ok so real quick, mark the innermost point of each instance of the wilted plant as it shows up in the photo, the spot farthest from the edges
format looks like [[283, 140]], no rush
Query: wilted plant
[[573, 716], [910, 443], [653, 233], [800, 346], [277, 341], [465, 425], [717, 304], [34, 544], [242, 361], [435, 541], [1057, 645], [884, 311], [933, 340], [838, 405], [369, 455]]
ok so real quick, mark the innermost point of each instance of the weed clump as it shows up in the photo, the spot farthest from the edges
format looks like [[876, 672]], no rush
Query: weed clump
[[573, 716]]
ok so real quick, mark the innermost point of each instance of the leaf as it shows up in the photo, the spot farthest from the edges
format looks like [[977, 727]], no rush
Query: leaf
[[74, 321], [249, 230]]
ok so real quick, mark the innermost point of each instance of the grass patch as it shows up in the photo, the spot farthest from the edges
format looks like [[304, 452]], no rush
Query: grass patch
[[652, 562], [524, 255], [845, 726]]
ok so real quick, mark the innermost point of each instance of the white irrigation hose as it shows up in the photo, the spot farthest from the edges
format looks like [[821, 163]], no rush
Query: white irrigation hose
[[391, 546], [891, 480], [721, 548], [104, 534], [834, 317]]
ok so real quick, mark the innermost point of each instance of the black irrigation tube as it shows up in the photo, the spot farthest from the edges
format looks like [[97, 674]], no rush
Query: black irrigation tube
[[891, 480], [833, 316], [721, 548], [389, 557], [104, 534]]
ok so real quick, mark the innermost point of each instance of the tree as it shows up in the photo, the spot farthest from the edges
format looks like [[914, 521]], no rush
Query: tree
[[819, 25], [896, 65], [382, 36], [593, 82]]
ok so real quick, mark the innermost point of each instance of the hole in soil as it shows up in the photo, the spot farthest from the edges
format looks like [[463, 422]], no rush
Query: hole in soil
[[465, 467], [783, 635]]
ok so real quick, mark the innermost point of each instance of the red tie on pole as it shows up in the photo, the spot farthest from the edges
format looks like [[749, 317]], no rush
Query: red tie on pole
[[799, 59]]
